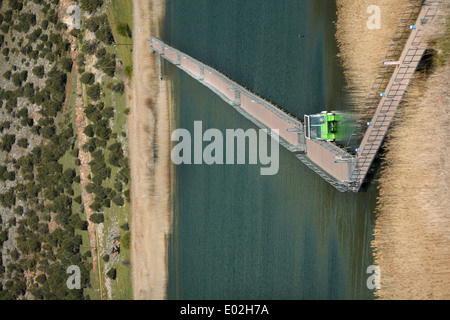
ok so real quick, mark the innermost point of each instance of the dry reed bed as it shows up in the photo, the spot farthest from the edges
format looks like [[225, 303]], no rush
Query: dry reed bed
[[412, 231], [362, 50]]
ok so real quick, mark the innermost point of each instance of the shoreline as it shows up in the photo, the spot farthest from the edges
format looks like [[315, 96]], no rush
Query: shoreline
[[149, 130]]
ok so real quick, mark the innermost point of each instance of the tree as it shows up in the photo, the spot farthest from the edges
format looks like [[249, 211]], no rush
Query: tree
[[39, 71], [105, 35], [7, 142], [90, 47], [23, 143], [124, 30], [7, 75], [82, 225], [66, 64], [48, 131], [41, 278], [91, 24], [101, 53], [97, 218], [112, 274], [87, 78], [90, 5], [119, 87], [94, 91]]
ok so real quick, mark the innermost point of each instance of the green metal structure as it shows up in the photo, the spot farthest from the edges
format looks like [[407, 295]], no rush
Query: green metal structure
[[321, 126]]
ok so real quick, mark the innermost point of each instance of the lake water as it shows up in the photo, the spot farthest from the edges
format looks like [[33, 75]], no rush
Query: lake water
[[237, 234]]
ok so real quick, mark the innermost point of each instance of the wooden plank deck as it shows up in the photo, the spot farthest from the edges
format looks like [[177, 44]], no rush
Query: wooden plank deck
[[388, 105], [341, 169]]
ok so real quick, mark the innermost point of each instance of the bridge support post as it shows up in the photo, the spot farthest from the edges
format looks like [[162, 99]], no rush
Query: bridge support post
[[202, 73], [237, 97]]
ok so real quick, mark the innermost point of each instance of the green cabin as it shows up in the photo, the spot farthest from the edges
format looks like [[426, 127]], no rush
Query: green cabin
[[321, 126]]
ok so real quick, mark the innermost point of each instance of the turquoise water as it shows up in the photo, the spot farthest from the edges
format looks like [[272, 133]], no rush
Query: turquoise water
[[237, 234]]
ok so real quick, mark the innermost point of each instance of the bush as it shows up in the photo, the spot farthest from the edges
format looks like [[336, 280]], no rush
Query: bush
[[7, 142], [101, 53], [39, 71], [119, 87], [94, 92], [23, 143], [97, 218], [87, 78], [7, 75], [90, 47], [82, 225], [41, 278], [91, 24], [105, 35], [112, 274], [90, 5], [129, 71], [125, 240], [124, 30], [66, 64]]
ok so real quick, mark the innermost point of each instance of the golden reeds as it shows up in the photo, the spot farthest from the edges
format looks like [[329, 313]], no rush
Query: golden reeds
[[362, 50], [412, 230]]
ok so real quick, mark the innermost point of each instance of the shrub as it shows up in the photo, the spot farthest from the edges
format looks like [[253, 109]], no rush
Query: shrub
[[124, 30], [119, 87], [94, 91], [90, 47], [90, 5], [7, 142], [39, 71], [97, 218], [82, 225], [91, 24], [112, 274], [129, 71], [23, 143], [125, 240], [105, 35], [87, 78], [66, 64]]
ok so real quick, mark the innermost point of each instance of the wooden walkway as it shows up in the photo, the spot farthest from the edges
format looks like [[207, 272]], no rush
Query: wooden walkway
[[259, 111], [344, 171], [379, 125]]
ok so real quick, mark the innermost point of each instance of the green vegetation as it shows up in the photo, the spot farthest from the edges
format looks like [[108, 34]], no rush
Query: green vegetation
[[442, 45], [120, 12], [45, 222]]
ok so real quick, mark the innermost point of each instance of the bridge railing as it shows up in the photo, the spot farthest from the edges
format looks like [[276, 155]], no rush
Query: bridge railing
[[394, 51]]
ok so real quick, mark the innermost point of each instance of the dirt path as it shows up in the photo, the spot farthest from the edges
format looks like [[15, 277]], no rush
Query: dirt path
[[85, 170], [149, 129]]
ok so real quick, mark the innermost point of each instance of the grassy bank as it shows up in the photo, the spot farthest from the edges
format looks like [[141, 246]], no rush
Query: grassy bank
[[107, 109], [120, 12]]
